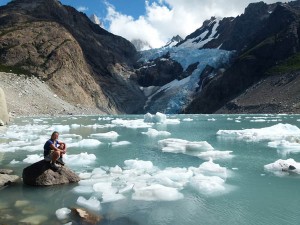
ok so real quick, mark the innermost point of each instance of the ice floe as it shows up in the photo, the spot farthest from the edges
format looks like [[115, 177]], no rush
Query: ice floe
[[157, 118], [284, 137], [120, 143], [92, 203], [283, 167], [111, 135], [154, 133], [62, 213], [141, 180], [157, 192], [201, 149], [134, 124], [85, 143], [276, 132]]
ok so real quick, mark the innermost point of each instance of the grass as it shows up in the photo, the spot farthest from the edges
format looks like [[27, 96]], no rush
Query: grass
[[291, 64]]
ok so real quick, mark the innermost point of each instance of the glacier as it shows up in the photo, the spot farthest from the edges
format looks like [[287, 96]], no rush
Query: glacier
[[173, 97]]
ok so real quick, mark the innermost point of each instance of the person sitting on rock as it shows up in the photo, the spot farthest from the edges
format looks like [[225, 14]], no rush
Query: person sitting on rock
[[54, 150]]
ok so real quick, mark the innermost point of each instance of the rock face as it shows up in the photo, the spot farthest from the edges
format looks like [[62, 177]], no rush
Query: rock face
[[40, 174], [3, 108], [80, 61], [269, 58]]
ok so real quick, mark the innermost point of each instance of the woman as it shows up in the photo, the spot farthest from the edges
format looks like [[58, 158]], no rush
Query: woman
[[54, 150]]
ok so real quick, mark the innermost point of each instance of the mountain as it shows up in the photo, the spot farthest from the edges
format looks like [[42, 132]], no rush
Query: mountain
[[174, 41], [246, 64], [264, 75], [95, 19], [81, 62]]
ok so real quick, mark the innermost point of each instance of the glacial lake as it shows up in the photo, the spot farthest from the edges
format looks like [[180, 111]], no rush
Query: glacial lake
[[159, 169]]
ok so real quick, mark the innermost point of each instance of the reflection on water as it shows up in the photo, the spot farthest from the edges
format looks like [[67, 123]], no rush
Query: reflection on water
[[155, 172]]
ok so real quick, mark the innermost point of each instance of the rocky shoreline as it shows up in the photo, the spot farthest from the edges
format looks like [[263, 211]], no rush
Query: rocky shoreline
[[29, 96]]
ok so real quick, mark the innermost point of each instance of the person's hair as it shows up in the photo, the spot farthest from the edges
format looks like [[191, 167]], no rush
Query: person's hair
[[55, 132]]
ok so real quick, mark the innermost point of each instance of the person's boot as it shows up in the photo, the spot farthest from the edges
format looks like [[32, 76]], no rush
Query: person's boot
[[60, 161], [53, 166]]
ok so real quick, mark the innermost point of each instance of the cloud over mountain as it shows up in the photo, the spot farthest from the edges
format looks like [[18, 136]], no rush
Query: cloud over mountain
[[166, 18]]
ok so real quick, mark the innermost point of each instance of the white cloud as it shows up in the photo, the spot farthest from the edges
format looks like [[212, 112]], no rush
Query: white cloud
[[82, 8], [167, 18]]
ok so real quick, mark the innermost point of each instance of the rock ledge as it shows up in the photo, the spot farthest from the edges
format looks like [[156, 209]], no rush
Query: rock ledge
[[40, 174]]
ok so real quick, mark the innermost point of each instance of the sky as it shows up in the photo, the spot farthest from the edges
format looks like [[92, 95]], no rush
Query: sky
[[156, 21]]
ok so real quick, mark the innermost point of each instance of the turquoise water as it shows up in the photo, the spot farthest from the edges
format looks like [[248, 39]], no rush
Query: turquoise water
[[249, 194]]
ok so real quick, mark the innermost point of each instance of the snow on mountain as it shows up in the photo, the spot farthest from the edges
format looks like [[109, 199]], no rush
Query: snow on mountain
[[96, 20], [174, 41], [174, 96], [203, 35]]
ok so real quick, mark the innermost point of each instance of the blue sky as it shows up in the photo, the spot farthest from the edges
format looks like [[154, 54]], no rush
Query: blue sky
[[156, 21]]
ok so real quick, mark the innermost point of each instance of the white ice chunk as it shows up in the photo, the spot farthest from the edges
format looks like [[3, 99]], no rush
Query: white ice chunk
[[172, 121], [276, 132], [109, 135], [208, 185], [85, 143], [154, 133], [187, 119], [92, 203], [83, 189], [281, 167], [215, 155], [182, 146], [104, 187], [116, 169], [75, 126], [134, 124], [59, 128], [81, 159], [120, 143], [157, 192], [62, 213], [85, 175], [72, 136], [138, 165], [112, 197], [285, 147], [14, 161], [33, 158], [210, 169], [157, 118]]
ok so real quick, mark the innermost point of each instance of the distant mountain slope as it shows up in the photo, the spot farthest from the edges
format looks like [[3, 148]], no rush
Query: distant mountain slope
[[263, 78], [81, 62]]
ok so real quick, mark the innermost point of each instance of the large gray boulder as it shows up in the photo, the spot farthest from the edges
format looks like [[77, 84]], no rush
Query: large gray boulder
[[40, 174], [3, 109], [6, 178]]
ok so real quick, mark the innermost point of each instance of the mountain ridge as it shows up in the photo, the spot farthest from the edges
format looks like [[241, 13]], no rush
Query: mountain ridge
[[222, 67], [91, 57]]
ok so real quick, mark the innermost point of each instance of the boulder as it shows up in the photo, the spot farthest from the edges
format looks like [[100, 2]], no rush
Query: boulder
[[6, 179], [3, 109], [40, 174]]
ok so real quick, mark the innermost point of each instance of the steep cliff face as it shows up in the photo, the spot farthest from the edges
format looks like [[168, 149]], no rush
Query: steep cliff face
[[81, 62], [261, 58]]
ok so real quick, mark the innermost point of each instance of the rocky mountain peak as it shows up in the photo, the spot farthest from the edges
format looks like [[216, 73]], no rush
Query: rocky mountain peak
[[174, 41], [95, 19], [56, 42]]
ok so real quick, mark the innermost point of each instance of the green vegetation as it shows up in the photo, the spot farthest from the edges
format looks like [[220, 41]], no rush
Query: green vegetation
[[13, 69], [291, 64]]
